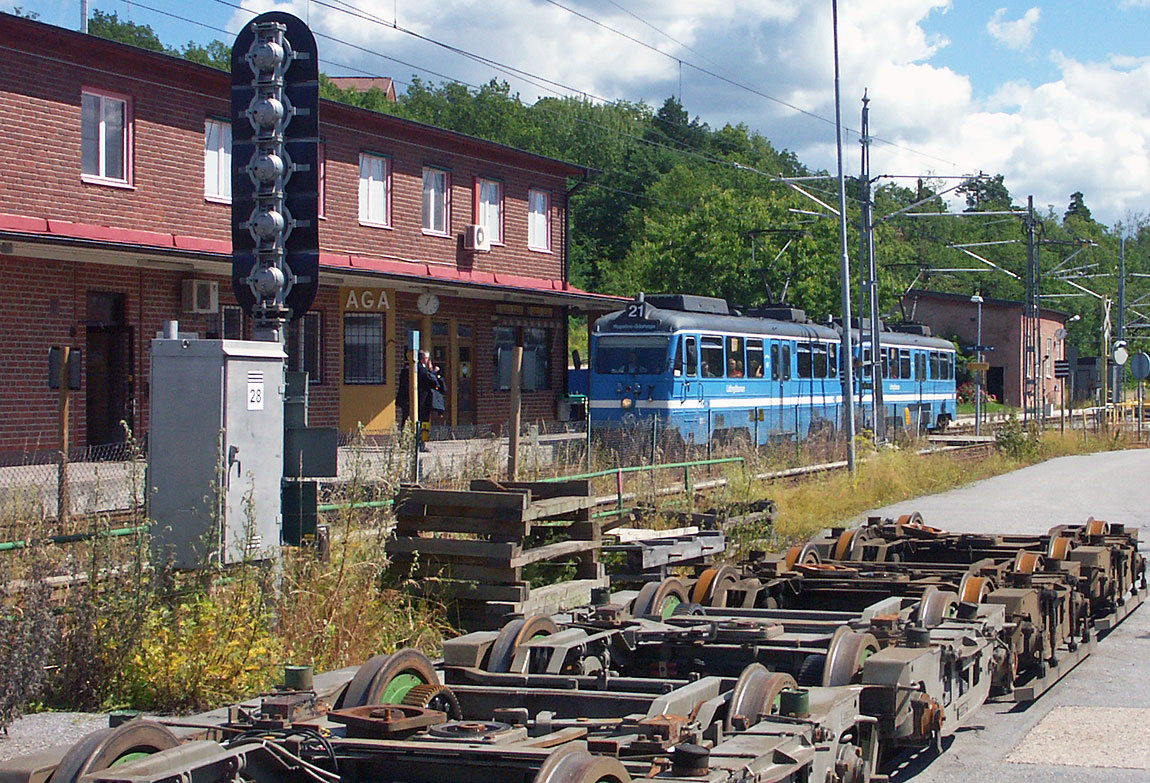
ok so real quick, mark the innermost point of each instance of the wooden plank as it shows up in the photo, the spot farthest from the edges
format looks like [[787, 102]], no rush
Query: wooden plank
[[540, 490], [464, 571], [406, 523], [630, 534], [450, 497], [551, 551], [557, 507], [454, 547]]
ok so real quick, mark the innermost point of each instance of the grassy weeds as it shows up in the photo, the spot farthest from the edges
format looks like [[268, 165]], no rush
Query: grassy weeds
[[894, 475]]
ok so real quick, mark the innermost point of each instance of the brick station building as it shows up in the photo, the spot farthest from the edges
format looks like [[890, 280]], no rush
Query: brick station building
[[955, 316], [116, 218]]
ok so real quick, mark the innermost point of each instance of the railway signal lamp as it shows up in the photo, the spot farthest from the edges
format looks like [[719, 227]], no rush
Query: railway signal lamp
[[275, 170]]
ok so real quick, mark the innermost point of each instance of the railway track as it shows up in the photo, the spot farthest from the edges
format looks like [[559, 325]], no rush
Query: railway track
[[822, 663]]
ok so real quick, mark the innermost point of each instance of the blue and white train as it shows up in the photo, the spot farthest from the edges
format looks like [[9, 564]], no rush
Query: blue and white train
[[768, 374]]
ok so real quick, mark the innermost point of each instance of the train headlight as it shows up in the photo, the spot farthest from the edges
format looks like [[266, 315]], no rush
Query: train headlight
[[627, 403]]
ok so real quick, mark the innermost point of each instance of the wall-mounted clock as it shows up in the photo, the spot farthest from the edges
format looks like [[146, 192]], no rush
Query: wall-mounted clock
[[428, 304]]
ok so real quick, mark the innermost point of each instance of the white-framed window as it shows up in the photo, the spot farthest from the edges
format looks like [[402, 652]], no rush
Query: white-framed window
[[374, 189], [538, 220], [218, 160], [489, 208], [436, 200], [105, 137]]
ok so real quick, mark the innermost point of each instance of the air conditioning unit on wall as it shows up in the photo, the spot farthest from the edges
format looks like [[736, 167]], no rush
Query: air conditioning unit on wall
[[476, 238], [201, 296]]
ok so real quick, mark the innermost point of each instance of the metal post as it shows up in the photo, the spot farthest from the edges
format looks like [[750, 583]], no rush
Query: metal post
[[1119, 393], [870, 283], [977, 299], [63, 503], [413, 409], [516, 410], [844, 269]]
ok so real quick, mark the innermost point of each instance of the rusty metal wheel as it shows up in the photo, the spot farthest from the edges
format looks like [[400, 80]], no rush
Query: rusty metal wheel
[[513, 636], [914, 519], [847, 653], [712, 584], [574, 764], [1028, 562], [108, 748], [435, 697], [660, 598], [843, 546], [756, 693], [807, 554], [974, 589], [935, 606], [386, 679], [1096, 527], [1059, 547]]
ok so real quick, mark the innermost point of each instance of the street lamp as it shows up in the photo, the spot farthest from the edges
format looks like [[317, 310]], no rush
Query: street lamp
[[977, 299]]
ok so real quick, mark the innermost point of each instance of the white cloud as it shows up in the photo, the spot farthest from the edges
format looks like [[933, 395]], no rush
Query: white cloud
[[1134, 4], [1018, 34]]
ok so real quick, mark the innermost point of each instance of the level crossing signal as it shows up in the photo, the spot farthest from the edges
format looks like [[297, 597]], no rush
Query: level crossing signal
[[275, 168]]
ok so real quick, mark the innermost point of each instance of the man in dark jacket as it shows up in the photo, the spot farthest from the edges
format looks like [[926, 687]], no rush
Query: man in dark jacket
[[428, 382]]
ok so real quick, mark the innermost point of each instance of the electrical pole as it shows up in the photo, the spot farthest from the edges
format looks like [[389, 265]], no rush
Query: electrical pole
[[870, 285], [1031, 327], [845, 268], [1119, 393]]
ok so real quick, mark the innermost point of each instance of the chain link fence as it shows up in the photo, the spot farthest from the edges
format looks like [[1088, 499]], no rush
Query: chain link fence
[[111, 479]]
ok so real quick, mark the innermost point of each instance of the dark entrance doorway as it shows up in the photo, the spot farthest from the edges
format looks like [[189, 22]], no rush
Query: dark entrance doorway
[[996, 383], [110, 369]]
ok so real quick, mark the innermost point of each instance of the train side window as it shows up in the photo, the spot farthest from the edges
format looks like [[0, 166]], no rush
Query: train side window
[[819, 353], [904, 363], [948, 363], [804, 360], [935, 366], [920, 366], [866, 362], [689, 357], [754, 358], [786, 361], [712, 354], [776, 363], [736, 365], [833, 364]]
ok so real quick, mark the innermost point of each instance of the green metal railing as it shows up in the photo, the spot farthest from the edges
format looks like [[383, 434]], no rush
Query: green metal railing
[[71, 538]]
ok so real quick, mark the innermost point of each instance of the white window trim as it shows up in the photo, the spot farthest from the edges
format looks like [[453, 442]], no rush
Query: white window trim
[[546, 247], [365, 198], [446, 231], [223, 172], [479, 183], [129, 122]]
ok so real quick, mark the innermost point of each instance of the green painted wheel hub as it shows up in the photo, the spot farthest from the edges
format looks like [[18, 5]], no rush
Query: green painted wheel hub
[[399, 686]]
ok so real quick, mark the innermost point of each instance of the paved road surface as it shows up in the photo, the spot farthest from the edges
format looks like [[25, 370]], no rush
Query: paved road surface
[[1093, 726]]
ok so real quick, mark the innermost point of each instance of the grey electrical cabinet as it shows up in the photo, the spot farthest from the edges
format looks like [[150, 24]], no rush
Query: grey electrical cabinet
[[215, 451]]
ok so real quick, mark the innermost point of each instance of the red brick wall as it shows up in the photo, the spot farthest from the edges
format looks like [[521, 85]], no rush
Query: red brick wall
[[170, 99]]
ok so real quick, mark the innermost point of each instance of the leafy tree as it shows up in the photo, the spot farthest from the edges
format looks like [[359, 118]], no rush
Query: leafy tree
[[986, 194], [216, 54], [23, 14], [109, 25], [1077, 208]]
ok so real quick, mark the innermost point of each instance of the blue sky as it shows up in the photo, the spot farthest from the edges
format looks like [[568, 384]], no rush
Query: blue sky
[[1053, 95]]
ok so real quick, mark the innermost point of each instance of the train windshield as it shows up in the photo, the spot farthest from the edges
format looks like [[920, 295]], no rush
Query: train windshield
[[631, 355]]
